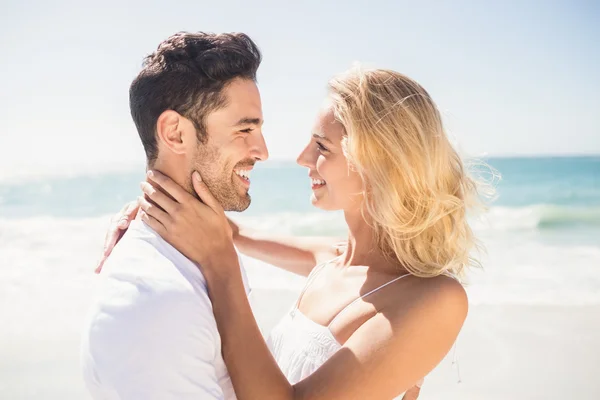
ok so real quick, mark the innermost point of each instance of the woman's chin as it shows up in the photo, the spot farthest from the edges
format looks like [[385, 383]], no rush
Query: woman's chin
[[321, 203], [314, 200], [317, 201]]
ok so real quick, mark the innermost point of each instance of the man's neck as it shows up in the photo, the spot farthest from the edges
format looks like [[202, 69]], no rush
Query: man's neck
[[174, 168]]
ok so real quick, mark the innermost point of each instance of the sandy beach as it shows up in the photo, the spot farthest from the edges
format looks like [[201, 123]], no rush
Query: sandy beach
[[504, 352]]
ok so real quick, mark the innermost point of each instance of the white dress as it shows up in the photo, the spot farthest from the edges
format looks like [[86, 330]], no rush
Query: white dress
[[300, 345]]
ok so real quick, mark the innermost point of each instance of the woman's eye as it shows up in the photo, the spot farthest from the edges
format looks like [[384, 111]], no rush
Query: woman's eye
[[321, 147], [247, 130]]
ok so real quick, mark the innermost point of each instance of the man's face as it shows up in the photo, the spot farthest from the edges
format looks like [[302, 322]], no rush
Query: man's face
[[235, 142]]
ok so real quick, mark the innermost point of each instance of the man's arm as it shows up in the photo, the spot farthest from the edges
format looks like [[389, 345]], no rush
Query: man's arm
[[157, 342]]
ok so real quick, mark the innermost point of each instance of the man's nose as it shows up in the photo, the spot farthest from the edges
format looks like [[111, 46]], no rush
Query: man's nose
[[259, 147]]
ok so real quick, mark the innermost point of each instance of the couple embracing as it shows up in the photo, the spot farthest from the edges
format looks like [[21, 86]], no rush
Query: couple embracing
[[172, 318]]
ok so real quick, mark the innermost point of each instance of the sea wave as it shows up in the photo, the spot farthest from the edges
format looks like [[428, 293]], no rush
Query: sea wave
[[539, 216], [534, 217]]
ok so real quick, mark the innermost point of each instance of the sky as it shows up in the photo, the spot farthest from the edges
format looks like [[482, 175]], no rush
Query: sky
[[511, 77]]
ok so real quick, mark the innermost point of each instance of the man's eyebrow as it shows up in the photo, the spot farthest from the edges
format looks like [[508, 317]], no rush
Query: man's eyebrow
[[318, 135], [248, 121]]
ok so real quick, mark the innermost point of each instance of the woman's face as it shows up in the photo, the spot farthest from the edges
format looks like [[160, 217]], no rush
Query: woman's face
[[335, 184]]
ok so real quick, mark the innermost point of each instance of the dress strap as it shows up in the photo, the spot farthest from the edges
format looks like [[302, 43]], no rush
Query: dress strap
[[365, 295], [311, 277]]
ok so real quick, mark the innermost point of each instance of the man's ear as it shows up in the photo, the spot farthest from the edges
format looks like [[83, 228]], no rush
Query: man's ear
[[169, 131]]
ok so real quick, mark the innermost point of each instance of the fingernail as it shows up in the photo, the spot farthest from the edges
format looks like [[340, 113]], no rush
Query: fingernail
[[197, 176], [150, 174], [123, 223]]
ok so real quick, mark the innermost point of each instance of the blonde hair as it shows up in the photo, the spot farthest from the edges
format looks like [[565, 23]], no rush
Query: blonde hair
[[416, 188]]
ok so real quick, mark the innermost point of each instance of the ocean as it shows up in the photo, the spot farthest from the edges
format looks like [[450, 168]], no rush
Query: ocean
[[541, 234]]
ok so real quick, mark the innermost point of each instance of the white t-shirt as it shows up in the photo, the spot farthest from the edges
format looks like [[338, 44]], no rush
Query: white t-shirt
[[151, 333]]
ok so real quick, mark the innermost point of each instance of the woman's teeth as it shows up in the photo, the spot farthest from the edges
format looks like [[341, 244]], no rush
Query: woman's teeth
[[317, 182]]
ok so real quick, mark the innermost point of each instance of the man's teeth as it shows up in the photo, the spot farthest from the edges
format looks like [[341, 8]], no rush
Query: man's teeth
[[244, 173], [316, 182]]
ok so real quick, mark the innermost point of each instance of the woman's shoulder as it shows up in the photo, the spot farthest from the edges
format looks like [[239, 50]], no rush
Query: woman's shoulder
[[442, 296]]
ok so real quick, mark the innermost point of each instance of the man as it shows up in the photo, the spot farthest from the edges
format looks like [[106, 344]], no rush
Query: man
[[151, 333]]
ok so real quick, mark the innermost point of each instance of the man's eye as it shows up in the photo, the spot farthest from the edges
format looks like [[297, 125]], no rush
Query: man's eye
[[247, 130]]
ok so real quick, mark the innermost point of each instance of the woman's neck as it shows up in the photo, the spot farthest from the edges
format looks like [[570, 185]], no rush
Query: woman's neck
[[362, 248]]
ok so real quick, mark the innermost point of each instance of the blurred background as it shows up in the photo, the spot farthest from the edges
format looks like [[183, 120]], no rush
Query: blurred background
[[517, 83]]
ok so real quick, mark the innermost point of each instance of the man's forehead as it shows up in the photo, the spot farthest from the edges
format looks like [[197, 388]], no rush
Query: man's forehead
[[249, 121], [244, 104], [242, 91], [244, 113], [232, 115]]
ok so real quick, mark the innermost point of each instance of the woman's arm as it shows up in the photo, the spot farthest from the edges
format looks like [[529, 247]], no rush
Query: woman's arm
[[385, 356], [296, 254], [118, 225]]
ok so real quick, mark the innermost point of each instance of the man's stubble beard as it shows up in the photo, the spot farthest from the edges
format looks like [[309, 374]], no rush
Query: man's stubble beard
[[218, 178]]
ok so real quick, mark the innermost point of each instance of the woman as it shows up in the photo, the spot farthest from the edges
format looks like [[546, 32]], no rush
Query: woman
[[380, 316]]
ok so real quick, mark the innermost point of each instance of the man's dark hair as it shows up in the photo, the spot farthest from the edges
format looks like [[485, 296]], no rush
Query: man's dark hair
[[187, 74]]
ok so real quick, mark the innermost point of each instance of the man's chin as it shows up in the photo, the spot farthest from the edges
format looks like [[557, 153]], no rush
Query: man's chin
[[245, 203], [241, 204]]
